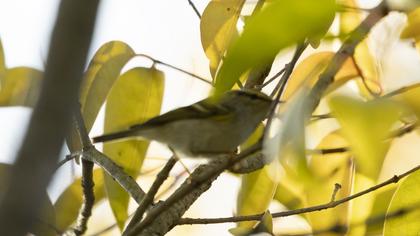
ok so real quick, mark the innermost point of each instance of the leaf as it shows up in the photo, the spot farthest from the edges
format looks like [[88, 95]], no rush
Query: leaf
[[218, 29], [412, 29], [349, 19], [20, 87], [410, 98], [257, 188], [70, 201], [363, 57], [271, 30], [406, 198], [135, 97], [44, 225], [379, 208], [2, 64], [103, 70], [327, 171], [366, 125], [287, 197], [308, 71]]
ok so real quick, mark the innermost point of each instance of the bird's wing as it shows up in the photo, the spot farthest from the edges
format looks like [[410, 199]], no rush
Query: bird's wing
[[200, 110]]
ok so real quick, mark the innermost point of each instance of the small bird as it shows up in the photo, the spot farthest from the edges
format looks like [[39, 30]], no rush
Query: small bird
[[210, 127]]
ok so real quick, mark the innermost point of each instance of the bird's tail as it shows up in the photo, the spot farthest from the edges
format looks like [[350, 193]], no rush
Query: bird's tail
[[114, 136]]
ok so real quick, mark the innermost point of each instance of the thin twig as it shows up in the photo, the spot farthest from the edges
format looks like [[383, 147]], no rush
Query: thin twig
[[289, 69], [194, 8], [175, 68], [273, 78], [150, 196], [321, 207]]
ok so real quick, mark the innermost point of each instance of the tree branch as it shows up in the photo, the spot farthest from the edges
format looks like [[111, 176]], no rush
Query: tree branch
[[127, 182], [332, 204], [51, 119], [150, 196], [165, 215], [346, 51]]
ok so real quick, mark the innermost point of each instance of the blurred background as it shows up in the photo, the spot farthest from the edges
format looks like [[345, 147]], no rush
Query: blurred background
[[167, 30]]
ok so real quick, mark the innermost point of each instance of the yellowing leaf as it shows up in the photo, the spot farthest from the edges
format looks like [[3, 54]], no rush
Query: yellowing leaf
[[2, 64], [257, 188], [328, 170], [366, 125], [410, 97], [349, 20], [369, 69], [103, 70], [287, 197], [308, 71], [135, 97], [406, 198], [276, 26], [218, 29], [412, 30], [379, 208], [20, 87], [68, 204]]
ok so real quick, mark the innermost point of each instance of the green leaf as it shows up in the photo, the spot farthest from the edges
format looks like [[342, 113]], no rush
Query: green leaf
[[20, 87], [46, 222], [135, 97], [366, 125], [406, 198], [218, 29], [70, 201], [257, 188], [276, 26], [103, 70]]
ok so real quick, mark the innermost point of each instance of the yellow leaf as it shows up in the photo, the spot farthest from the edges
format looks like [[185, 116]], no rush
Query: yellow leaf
[[70, 201], [412, 30], [406, 198], [349, 19], [410, 97], [2, 64], [276, 26], [366, 125], [308, 71], [135, 97], [328, 170], [218, 29], [379, 208], [20, 87], [103, 70], [257, 188]]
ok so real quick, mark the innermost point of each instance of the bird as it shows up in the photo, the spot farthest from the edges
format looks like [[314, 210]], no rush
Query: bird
[[211, 127]]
